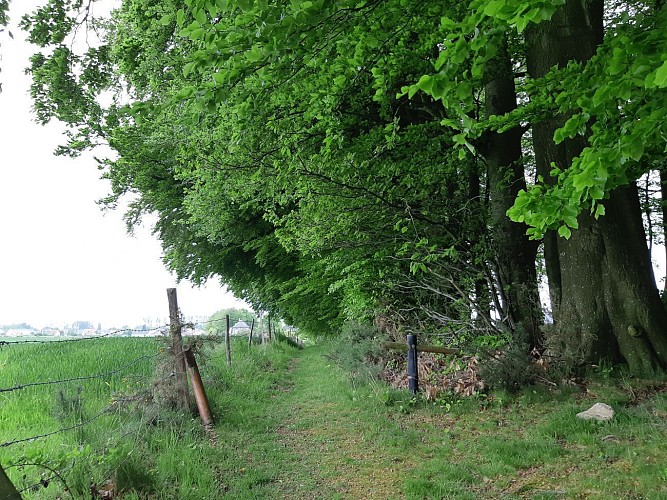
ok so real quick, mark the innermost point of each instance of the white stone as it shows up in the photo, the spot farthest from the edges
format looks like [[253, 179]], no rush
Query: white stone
[[599, 411]]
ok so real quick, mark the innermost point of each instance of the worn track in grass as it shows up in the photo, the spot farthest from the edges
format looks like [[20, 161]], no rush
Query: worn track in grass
[[330, 440], [333, 440]]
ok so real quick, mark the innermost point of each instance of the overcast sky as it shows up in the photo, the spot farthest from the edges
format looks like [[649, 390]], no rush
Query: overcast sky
[[61, 258]]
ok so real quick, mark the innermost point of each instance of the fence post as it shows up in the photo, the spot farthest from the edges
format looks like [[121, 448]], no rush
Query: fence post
[[181, 382], [7, 489], [227, 345], [269, 319], [252, 326], [413, 375], [198, 390]]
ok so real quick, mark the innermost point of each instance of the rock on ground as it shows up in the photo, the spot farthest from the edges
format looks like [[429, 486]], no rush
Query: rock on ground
[[599, 411]]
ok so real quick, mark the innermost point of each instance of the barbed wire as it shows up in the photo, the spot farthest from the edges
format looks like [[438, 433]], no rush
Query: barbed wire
[[190, 325], [80, 339], [57, 431], [45, 481], [74, 379], [111, 333], [60, 474]]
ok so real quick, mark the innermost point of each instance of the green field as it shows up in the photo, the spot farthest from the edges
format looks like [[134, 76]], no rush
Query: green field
[[289, 424]]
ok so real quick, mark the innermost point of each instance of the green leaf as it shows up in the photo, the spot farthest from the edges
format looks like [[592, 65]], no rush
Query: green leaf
[[596, 193], [571, 222], [425, 83], [636, 150], [447, 24], [599, 211], [246, 5], [521, 24], [200, 16], [493, 7], [254, 54], [187, 69], [660, 80], [565, 232], [197, 34]]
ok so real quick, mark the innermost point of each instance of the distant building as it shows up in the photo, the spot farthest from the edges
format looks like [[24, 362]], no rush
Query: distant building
[[240, 328], [49, 331], [19, 332]]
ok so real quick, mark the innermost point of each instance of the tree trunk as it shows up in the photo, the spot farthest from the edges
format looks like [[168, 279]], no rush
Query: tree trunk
[[663, 206], [606, 303], [482, 292], [515, 253]]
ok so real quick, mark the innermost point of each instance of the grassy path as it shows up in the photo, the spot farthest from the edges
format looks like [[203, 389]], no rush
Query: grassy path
[[337, 443], [313, 435], [314, 439]]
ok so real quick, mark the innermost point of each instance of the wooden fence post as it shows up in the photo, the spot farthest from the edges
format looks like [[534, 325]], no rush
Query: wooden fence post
[[181, 381], [7, 489], [269, 319], [413, 375], [227, 344], [252, 326], [198, 390]]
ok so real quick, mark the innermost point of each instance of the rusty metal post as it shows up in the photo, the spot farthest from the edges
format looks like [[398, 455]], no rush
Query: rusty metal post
[[413, 375], [198, 390], [227, 344], [181, 381]]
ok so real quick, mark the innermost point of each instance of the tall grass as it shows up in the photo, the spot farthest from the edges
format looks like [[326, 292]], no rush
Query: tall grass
[[135, 446], [37, 410]]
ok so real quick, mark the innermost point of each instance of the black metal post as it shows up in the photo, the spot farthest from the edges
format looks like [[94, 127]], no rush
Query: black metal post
[[413, 375]]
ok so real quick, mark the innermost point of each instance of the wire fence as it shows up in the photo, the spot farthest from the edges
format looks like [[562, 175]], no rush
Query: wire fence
[[114, 333], [139, 372], [117, 385]]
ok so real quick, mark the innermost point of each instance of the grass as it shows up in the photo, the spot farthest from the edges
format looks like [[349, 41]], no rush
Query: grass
[[290, 424]]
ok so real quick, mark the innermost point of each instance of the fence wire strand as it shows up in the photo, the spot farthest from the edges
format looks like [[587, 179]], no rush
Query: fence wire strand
[[74, 379], [57, 431]]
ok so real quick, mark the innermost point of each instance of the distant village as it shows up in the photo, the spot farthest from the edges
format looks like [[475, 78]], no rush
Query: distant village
[[193, 326]]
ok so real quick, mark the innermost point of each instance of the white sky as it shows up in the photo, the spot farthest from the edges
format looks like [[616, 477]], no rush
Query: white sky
[[61, 259]]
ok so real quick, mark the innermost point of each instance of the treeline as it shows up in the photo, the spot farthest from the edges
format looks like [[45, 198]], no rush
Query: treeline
[[418, 164]]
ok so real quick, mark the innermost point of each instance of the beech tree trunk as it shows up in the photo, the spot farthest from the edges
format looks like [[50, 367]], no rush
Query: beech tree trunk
[[515, 253], [663, 206], [605, 300]]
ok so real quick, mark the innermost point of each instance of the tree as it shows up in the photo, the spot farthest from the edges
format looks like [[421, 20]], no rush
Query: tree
[[610, 303], [584, 87], [349, 159], [245, 187], [216, 323]]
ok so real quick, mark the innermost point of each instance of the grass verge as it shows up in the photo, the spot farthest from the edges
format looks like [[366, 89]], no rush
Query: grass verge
[[290, 424]]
